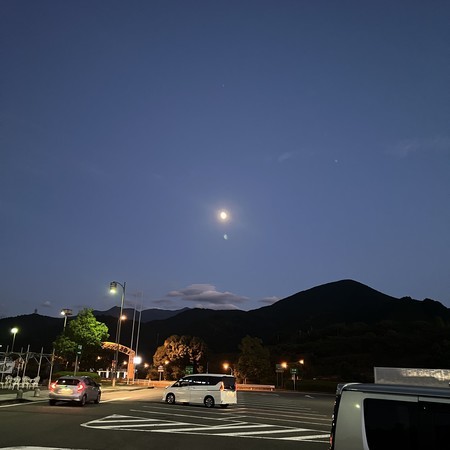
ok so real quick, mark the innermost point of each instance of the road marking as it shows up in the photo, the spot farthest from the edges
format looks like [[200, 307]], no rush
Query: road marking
[[232, 429], [307, 438], [35, 448], [20, 404], [115, 399], [259, 432]]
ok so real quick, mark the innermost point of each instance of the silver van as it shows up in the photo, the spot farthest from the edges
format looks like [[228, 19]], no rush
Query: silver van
[[381, 417], [208, 389]]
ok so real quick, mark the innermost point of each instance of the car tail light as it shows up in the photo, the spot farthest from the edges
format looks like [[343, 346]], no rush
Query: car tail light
[[80, 387], [53, 386], [222, 386]]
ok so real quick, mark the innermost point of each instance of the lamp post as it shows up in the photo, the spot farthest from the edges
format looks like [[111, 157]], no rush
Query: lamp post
[[14, 332], [113, 289], [66, 312]]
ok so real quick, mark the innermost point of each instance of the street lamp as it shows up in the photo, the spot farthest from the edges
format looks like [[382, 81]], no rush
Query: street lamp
[[14, 332], [113, 289], [66, 312], [227, 366]]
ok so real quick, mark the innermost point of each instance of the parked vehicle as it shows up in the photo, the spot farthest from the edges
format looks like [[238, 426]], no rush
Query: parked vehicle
[[381, 416], [81, 390], [208, 389]]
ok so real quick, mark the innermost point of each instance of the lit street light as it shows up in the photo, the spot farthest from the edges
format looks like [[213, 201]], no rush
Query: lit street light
[[14, 332], [113, 289], [227, 366], [66, 312]]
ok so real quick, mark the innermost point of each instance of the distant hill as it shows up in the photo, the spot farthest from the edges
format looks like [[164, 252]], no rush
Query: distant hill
[[147, 314], [339, 326]]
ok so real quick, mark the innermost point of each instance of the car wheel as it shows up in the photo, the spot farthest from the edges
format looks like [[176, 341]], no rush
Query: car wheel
[[170, 398], [97, 400], [52, 402], [83, 401], [209, 402]]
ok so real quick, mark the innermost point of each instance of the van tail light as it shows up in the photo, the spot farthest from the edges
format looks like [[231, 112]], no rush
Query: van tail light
[[53, 386], [80, 387]]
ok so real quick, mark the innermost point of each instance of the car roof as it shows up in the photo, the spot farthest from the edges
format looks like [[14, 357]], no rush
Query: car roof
[[399, 389], [73, 377], [209, 375]]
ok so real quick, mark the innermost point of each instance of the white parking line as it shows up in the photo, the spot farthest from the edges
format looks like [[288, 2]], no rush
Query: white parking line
[[230, 429], [20, 404]]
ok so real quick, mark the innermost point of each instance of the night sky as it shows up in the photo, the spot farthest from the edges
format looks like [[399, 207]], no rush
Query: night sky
[[322, 128]]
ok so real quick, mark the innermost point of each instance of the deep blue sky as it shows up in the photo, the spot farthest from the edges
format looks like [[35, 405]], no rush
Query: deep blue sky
[[322, 127]]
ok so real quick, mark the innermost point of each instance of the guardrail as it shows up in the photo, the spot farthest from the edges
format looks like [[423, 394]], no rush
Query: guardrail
[[255, 387]]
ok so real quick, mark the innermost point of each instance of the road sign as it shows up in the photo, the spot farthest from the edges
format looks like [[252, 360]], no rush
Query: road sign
[[160, 368], [189, 370], [294, 371]]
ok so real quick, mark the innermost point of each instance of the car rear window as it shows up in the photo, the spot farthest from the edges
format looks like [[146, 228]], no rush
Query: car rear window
[[229, 383], [68, 381]]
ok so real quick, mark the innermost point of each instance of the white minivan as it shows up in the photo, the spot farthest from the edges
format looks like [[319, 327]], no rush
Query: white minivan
[[383, 417], [208, 389]]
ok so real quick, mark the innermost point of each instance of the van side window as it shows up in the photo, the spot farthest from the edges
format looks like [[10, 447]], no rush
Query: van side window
[[435, 418], [212, 381], [391, 424], [198, 381]]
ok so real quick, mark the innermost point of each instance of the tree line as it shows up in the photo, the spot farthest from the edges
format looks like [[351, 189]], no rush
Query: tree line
[[83, 336]]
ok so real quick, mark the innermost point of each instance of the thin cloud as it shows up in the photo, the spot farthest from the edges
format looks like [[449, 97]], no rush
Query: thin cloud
[[202, 296], [407, 147], [46, 304], [269, 300], [285, 156]]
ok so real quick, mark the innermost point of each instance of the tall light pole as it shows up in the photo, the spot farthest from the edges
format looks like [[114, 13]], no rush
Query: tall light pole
[[113, 289], [66, 312], [14, 332]]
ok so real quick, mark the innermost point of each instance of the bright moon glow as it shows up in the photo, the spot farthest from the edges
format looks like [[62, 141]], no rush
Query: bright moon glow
[[223, 215], [225, 236]]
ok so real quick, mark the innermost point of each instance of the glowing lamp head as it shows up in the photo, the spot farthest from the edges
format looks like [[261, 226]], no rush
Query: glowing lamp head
[[113, 287], [14, 330]]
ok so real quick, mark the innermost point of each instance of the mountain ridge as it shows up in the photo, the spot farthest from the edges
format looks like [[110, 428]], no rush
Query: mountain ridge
[[335, 322]]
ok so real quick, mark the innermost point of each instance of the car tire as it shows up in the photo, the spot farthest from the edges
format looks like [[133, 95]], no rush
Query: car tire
[[97, 400], [208, 402], [170, 399], [83, 401], [52, 402]]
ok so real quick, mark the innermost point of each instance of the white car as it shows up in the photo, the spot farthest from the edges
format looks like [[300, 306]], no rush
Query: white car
[[209, 389]]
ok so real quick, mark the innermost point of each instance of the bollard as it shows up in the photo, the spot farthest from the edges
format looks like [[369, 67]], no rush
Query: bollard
[[19, 394], [37, 392]]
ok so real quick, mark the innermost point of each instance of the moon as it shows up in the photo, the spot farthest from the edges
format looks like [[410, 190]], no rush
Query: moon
[[223, 215]]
